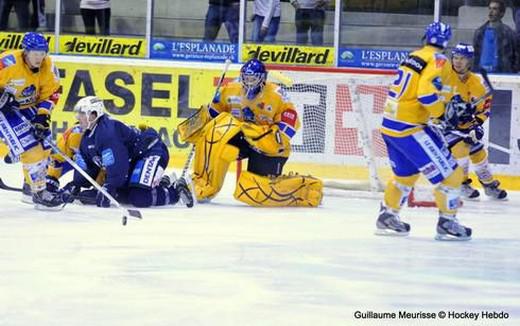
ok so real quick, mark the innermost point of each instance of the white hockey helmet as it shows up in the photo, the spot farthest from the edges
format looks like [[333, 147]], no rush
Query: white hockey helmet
[[89, 105]]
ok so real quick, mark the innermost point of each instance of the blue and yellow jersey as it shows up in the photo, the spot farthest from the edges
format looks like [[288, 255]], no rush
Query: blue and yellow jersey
[[68, 143], [415, 95], [32, 88], [272, 110], [471, 88]]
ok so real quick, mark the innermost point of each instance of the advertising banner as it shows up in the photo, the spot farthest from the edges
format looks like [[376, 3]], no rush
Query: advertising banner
[[371, 58], [289, 54], [159, 97], [103, 46], [193, 50]]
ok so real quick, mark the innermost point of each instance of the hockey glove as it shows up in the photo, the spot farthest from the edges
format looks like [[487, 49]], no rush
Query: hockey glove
[[248, 115], [7, 102], [458, 111], [41, 125], [101, 199], [475, 135], [52, 184]]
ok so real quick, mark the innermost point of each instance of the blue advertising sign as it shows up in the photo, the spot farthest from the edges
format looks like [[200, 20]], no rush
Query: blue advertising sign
[[371, 58], [192, 50]]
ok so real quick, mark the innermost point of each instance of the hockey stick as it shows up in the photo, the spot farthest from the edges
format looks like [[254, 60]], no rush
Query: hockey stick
[[192, 151], [3, 186], [131, 212], [489, 87]]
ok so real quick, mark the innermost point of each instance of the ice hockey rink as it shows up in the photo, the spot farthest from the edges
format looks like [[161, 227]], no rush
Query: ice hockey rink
[[223, 263]]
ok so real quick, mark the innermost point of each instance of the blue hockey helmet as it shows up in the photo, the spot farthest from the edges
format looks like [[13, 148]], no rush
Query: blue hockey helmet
[[438, 34], [34, 42], [464, 50], [252, 77]]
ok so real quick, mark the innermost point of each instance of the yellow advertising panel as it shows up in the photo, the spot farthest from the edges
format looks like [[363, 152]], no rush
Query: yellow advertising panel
[[102, 46], [13, 41], [159, 97], [291, 55]]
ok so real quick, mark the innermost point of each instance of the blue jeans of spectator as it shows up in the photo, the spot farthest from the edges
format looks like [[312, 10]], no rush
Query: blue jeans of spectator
[[272, 30], [218, 15], [309, 19]]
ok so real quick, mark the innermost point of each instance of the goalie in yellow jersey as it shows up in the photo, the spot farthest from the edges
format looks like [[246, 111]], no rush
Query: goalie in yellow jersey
[[465, 141], [254, 119]]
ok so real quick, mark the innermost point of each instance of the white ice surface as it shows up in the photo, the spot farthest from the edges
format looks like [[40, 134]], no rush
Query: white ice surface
[[227, 264]]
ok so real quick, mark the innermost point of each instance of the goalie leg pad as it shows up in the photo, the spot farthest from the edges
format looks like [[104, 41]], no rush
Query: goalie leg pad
[[213, 155], [283, 191], [398, 190], [447, 194]]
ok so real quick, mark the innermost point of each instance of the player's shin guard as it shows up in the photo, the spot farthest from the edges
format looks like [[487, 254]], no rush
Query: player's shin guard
[[213, 155], [481, 165], [447, 194], [398, 190], [34, 163], [282, 191]]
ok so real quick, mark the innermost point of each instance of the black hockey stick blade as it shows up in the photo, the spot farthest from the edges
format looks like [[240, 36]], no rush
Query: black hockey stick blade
[[6, 187]]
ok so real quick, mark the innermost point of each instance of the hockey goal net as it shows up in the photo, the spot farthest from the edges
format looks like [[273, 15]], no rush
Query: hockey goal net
[[339, 141]]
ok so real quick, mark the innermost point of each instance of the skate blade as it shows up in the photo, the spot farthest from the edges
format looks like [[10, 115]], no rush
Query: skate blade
[[26, 199], [390, 233], [449, 237], [41, 207]]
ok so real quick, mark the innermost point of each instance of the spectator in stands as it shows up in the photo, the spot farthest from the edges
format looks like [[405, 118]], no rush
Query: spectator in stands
[[222, 12], [21, 7], [39, 21], [309, 15], [266, 20], [92, 10], [495, 43]]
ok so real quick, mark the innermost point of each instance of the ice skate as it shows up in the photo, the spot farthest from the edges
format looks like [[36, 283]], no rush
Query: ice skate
[[492, 190], [388, 223], [449, 229], [45, 200], [468, 192]]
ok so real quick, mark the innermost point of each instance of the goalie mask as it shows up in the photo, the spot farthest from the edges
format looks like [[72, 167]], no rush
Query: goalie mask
[[252, 77], [86, 107], [438, 34], [462, 58]]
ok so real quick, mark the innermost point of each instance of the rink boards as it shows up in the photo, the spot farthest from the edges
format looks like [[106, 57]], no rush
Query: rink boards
[[329, 101]]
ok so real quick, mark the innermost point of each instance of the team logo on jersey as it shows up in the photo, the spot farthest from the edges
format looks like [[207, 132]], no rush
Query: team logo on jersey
[[440, 60], [28, 91]]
